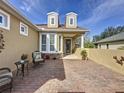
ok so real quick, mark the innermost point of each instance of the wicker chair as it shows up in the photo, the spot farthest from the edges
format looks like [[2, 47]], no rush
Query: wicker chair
[[6, 79], [37, 58]]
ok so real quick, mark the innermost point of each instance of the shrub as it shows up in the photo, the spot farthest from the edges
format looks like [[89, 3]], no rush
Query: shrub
[[84, 54], [121, 48]]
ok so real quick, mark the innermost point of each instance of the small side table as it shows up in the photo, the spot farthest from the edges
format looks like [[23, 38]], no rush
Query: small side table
[[23, 65]]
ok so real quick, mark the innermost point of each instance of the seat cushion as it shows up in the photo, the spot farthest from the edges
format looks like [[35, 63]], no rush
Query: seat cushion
[[9, 74], [37, 60], [37, 55], [5, 81], [3, 71]]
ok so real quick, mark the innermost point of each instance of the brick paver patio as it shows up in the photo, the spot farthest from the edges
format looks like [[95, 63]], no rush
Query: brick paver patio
[[69, 76]]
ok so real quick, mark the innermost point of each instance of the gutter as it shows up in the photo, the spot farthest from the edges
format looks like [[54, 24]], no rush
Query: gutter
[[108, 41], [18, 14]]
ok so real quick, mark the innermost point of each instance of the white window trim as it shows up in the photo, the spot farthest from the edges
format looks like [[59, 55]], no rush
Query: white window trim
[[2, 18], [70, 20], [51, 20], [8, 20], [48, 43], [53, 43], [41, 42], [23, 33]]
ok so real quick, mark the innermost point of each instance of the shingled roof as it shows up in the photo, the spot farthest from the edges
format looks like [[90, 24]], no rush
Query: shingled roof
[[62, 27], [117, 37]]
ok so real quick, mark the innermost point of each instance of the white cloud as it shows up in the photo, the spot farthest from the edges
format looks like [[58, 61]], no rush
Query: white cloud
[[105, 10], [27, 5]]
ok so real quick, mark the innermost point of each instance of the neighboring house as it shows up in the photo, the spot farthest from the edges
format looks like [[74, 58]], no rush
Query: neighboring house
[[21, 36], [113, 42], [60, 38]]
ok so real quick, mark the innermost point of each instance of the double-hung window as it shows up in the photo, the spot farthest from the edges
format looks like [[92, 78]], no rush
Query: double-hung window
[[52, 20], [52, 42], [23, 29], [4, 20], [44, 42], [48, 42], [71, 21], [1, 19]]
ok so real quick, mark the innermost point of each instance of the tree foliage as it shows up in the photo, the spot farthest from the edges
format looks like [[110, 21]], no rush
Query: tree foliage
[[110, 31], [87, 41], [88, 44]]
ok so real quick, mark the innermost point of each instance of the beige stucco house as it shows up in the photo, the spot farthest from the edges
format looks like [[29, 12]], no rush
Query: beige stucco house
[[60, 38], [21, 36]]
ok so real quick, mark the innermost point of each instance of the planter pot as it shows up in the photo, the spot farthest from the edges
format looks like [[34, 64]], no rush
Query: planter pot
[[83, 58]]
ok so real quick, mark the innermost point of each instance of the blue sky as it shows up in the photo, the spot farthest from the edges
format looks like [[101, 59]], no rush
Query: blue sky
[[95, 15]]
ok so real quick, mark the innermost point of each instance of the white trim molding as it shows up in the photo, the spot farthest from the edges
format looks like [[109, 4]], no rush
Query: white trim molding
[[7, 21], [70, 21], [52, 17], [25, 28], [48, 42], [82, 41]]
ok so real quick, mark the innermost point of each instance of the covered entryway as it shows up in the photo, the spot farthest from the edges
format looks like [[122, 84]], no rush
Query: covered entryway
[[71, 41]]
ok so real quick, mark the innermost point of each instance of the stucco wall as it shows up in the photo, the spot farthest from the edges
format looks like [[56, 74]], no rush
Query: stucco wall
[[105, 57], [112, 45], [16, 44]]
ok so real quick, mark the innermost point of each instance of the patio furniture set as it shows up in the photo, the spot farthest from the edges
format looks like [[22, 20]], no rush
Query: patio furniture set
[[6, 75]]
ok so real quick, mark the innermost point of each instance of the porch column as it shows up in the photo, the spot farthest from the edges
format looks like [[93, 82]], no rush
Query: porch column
[[62, 44], [82, 41]]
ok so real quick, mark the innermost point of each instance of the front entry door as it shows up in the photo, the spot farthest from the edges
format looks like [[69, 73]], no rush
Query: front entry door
[[68, 46]]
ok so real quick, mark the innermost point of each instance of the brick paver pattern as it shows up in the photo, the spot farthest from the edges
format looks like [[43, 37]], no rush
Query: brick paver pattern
[[69, 75]]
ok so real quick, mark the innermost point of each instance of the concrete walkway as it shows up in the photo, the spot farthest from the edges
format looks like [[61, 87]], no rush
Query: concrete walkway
[[72, 56], [87, 77]]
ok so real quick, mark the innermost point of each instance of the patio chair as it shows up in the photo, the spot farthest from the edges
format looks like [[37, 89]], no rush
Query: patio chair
[[37, 58], [6, 79]]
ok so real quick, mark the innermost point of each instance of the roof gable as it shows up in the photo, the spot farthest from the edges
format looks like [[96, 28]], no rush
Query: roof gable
[[52, 13], [71, 13]]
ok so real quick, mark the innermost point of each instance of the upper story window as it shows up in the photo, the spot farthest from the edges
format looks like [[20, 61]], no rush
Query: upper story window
[[1, 19], [23, 29], [4, 20], [52, 21], [71, 21]]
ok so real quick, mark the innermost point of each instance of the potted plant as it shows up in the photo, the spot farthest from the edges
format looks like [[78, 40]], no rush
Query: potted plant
[[84, 54], [24, 56]]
